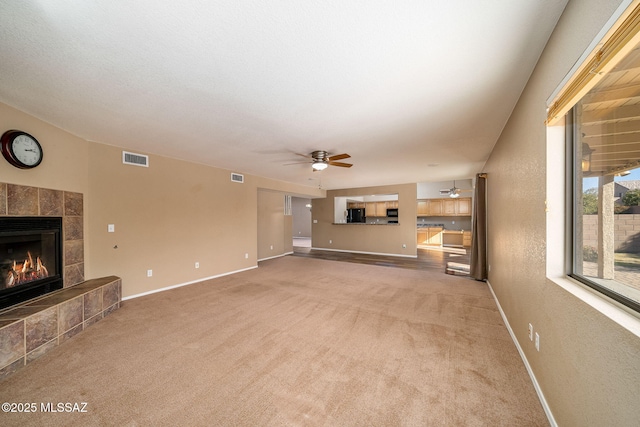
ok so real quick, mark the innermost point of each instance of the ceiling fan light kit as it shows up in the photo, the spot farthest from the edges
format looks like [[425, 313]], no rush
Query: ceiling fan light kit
[[319, 165], [320, 160]]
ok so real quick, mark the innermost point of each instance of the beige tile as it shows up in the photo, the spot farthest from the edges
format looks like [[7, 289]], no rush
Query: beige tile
[[70, 314], [111, 294], [20, 313], [73, 228], [92, 303], [73, 252], [51, 202], [73, 274], [72, 204], [22, 200], [11, 343], [3, 198], [57, 298], [41, 328]]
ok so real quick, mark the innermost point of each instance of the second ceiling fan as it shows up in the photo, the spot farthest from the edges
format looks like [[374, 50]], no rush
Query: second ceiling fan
[[452, 192]]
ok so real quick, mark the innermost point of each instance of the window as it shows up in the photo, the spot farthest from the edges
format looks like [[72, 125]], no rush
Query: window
[[605, 144]]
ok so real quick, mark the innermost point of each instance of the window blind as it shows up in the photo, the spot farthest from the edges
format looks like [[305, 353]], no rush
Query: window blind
[[615, 45]]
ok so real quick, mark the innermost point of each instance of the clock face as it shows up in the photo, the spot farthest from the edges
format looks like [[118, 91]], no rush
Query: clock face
[[21, 149], [26, 150]]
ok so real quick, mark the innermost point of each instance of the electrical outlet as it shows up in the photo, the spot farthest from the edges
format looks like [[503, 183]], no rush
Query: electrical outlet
[[271, 247], [111, 228], [149, 273], [537, 341], [197, 264], [530, 332], [246, 256], [330, 241]]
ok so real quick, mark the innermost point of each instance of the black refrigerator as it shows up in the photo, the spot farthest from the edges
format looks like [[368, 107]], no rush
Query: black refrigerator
[[356, 215]]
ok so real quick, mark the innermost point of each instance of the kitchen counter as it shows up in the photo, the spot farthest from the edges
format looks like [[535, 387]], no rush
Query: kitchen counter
[[362, 223]]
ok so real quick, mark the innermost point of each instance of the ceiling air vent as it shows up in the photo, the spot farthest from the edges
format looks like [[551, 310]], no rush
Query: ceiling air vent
[[236, 177], [135, 159]]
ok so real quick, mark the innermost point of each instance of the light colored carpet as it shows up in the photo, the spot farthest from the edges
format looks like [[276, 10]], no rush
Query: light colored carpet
[[296, 342]]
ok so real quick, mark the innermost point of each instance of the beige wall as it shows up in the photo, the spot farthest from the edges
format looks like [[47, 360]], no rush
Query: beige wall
[[274, 228], [588, 366], [383, 239], [166, 217]]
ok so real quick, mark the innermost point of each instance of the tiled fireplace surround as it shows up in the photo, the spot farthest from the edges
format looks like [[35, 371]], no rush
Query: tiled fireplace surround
[[30, 329]]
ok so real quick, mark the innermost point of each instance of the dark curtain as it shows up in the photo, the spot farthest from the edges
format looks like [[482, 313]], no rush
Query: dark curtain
[[478, 268]]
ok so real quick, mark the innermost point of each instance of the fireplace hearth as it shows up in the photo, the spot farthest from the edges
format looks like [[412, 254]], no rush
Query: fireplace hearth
[[30, 258]]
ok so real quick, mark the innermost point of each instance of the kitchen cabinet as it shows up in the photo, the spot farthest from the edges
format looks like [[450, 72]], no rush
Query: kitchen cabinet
[[449, 206], [430, 207], [464, 207], [434, 207], [445, 207], [378, 209], [430, 236], [375, 209], [466, 239], [434, 236], [423, 208]]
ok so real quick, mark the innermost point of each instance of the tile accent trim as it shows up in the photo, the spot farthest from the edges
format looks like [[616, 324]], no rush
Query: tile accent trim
[[22, 200], [31, 329]]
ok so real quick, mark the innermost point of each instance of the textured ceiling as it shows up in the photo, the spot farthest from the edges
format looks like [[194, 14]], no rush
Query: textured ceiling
[[414, 91]]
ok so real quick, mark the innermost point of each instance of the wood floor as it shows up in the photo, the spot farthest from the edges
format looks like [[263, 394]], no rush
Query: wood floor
[[428, 259]]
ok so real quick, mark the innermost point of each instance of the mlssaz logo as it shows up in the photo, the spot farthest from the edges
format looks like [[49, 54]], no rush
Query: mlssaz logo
[[63, 407]]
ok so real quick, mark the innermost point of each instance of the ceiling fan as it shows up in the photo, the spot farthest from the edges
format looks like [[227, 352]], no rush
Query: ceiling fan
[[320, 160], [452, 192]]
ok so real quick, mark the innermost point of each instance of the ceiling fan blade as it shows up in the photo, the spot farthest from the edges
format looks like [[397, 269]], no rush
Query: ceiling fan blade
[[340, 164], [339, 157], [306, 156], [296, 163]]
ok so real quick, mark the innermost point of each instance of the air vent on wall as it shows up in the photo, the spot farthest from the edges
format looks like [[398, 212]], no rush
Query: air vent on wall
[[236, 177], [135, 159]]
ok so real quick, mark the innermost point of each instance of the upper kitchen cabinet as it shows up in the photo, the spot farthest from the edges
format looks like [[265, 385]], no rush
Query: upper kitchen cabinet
[[376, 209], [430, 207], [449, 206], [463, 207], [445, 207]]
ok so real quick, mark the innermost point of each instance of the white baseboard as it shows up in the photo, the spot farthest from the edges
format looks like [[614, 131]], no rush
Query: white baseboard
[[366, 253], [187, 283], [275, 256], [536, 385]]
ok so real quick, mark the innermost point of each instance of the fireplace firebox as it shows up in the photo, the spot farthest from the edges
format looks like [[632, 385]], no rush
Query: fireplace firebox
[[30, 258]]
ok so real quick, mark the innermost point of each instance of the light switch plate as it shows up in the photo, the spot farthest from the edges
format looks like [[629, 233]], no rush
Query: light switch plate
[[111, 228]]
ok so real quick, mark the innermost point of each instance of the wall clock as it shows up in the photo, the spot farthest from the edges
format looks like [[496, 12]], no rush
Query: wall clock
[[21, 149]]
